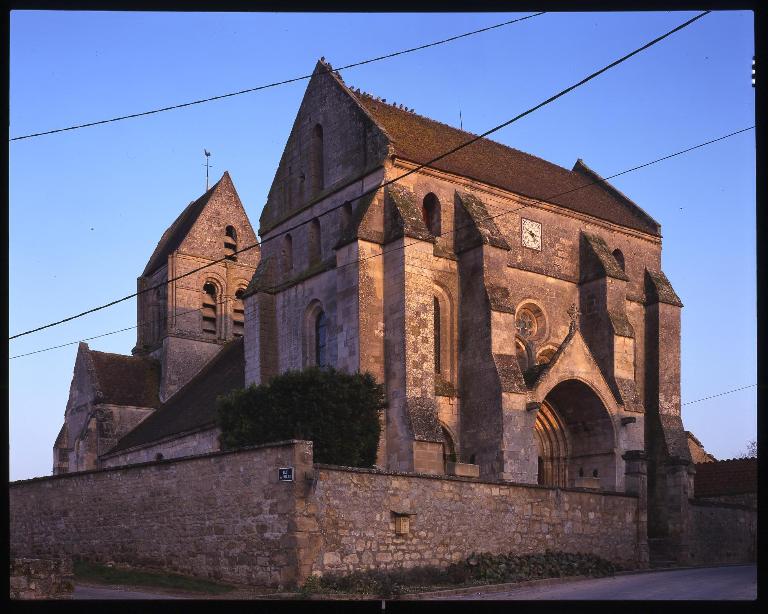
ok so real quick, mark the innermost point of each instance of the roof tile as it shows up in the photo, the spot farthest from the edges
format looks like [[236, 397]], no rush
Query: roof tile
[[420, 139], [727, 477]]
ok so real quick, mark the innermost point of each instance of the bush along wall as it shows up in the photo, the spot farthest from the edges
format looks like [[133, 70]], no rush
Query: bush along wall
[[476, 569], [337, 411]]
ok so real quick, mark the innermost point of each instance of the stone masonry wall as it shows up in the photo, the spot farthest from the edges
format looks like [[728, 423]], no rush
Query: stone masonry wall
[[452, 517], [41, 578], [223, 515], [722, 532]]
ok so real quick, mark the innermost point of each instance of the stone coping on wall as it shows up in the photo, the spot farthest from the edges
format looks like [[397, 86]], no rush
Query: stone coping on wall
[[165, 461], [735, 506], [454, 478]]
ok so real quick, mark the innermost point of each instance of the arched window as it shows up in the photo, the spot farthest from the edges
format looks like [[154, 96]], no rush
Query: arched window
[[314, 241], [346, 217], [238, 314], [209, 309], [320, 340], [521, 350], [436, 310], [430, 212], [449, 448], [230, 243], [619, 258], [317, 170], [545, 356], [287, 254]]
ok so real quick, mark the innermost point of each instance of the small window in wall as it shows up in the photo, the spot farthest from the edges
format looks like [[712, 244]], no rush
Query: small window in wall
[[287, 254], [318, 171], [230, 243], [314, 241], [238, 314], [619, 258], [209, 309], [321, 325], [430, 212], [436, 310], [345, 217]]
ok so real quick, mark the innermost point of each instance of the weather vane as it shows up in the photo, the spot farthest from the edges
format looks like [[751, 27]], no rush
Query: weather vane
[[207, 156]]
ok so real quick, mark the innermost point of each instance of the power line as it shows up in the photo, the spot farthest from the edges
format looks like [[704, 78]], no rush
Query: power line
[[550, 198], [276, 83], [391, 181], [113, 332], [547, 199], [719, 395]]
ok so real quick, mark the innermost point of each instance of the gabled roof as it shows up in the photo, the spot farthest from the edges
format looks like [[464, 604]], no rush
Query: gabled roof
[[727, 477], [194, 406], [420, 139], [125, 380], [181, 226]]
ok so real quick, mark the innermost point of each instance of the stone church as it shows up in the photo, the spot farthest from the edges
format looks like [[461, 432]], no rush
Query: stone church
[[515, 310]]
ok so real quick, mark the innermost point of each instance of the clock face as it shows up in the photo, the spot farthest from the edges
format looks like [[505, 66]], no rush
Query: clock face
[[531, 234]]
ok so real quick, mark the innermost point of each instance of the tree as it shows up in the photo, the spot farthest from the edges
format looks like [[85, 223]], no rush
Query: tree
[[751, 451], [337, 411]]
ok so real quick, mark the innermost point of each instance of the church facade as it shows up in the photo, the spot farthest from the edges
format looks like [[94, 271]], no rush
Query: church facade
[[516, 311]]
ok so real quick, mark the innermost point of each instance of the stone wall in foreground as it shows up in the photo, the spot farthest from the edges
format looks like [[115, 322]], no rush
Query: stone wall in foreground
[[41, 578], [722, 532], [449, 518], [222, 516]]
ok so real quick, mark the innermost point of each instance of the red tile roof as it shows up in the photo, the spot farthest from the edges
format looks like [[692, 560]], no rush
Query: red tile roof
[[420, 139], [126, 380], [728, 477]]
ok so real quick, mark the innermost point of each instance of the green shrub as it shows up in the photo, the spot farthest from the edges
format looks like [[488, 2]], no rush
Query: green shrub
[[337, 411], [483, 568]]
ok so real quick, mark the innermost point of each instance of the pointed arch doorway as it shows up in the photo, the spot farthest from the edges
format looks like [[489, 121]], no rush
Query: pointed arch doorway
[[575, 437]]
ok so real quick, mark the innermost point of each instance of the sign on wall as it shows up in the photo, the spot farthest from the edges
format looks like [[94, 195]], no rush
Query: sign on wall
[[285, 474]]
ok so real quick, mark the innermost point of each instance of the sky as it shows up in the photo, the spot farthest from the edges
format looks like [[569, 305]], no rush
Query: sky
[[88, 206]]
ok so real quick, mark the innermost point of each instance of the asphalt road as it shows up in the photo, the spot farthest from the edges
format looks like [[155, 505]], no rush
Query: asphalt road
[[713, 583], [110, 592]]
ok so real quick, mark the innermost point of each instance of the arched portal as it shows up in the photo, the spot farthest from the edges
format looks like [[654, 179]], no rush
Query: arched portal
[[552, 447], [575, 437]]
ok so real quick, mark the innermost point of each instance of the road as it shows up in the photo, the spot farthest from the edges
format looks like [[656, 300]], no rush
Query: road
[[111, 592], [712, 583]]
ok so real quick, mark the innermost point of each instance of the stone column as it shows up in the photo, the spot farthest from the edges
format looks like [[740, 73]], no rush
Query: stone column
[[636, 483]]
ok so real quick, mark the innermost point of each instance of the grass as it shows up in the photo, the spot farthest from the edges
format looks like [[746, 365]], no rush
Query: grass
[[86, 571]]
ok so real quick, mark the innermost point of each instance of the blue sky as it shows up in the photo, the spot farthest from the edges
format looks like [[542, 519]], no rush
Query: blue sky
[[88, 206]]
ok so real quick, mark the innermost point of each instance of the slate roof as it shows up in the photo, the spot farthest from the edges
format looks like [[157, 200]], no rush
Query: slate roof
[[194, 406], [126, 380], [727, 477], [420, 139], [176, 232]]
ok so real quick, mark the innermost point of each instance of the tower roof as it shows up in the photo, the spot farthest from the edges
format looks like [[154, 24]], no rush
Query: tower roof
[[181, 226]]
